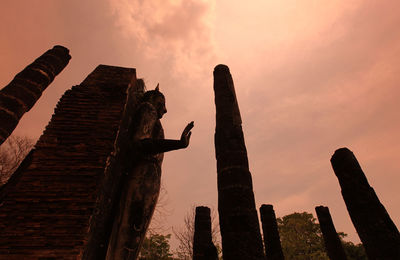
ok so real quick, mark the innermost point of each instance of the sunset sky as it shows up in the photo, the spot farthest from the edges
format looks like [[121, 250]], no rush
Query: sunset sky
[[310, 76]]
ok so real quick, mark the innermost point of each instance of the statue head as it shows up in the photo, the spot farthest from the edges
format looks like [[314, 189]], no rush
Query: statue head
[[157, 99]]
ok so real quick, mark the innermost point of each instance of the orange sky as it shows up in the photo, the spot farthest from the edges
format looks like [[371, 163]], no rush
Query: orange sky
[[309, 79]]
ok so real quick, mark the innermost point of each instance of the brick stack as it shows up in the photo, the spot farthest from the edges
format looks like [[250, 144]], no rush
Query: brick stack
[[240, 230], [19, 96], [50, 208], [272, 241], [203, 247], [332, 242], [378, 233]]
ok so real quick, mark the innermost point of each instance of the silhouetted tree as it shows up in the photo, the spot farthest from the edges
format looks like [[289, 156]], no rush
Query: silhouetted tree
[[354, 252], [156, 247]]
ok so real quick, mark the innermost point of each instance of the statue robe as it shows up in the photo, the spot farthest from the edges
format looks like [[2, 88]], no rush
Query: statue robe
[[141, 186]]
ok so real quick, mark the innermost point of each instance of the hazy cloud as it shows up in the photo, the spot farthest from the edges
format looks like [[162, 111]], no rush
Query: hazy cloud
[[177, 32]]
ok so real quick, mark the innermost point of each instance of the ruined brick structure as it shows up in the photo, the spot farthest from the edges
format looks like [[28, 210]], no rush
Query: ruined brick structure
[[19, 96], [60, 202], [378, 233], [240, 230], [332, 242], [203, 247], [272, 242]]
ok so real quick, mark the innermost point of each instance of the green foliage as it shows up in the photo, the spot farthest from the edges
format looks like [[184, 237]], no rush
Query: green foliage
[[156, 247], [354, 252], [301, 237]]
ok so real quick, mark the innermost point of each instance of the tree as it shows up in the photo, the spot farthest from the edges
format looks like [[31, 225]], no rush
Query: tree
[[185, 235], [354, 252], [301, 238], [12, 153], [156, 247]]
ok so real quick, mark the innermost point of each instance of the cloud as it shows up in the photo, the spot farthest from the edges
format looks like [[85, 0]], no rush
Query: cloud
[[177, 33]]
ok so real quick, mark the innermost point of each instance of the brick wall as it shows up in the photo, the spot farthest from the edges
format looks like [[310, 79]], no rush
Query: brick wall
[[55, 202]]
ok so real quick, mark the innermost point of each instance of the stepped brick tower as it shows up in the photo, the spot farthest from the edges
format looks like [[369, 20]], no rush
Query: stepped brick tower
[[378, 233], [240, 230], [60, 202], [333, 245], [19, 96]]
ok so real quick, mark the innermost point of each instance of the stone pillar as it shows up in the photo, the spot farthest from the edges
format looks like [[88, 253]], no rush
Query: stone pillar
[[272, 242], [203, 247], [19, 96], [240, 230], [377, 231], [333, 245]]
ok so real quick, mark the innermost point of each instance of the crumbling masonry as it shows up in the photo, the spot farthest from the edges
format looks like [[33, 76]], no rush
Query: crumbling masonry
[[203, 247], [378, 233], [332, 242], [240, 230], [272, 242], [19, 96], [60, 202]]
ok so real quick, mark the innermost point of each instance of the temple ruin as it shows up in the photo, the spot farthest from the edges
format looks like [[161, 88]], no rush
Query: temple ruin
[[272, 242], [19, 96], [332, 242], [79, 192], [203, 247], [240, 229], [59, 204], [374, 226]]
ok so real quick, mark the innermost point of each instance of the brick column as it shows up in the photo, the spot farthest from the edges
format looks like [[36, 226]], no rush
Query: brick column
[[376, 229], [203, 247], [333, 245], [240, 230], [272, 242], [19, 96]]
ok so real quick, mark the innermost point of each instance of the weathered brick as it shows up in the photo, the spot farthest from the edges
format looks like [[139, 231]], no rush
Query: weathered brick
[[55, 204], [28, 85]]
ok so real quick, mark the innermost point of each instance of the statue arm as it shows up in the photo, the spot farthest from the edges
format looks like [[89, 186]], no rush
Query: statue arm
[[154, 146]]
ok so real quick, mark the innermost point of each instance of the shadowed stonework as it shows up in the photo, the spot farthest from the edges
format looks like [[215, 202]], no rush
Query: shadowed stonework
[[240, 230], [203, 247], [19, 96], [333, 245], [59, 202], [378, 233], [272, 242]]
